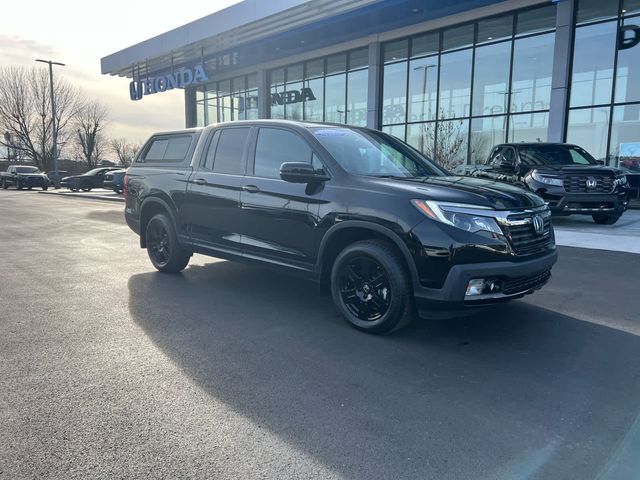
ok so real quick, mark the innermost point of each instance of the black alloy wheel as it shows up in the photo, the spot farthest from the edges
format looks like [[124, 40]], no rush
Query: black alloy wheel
[[164, 250], [370, 285], [364, 288]]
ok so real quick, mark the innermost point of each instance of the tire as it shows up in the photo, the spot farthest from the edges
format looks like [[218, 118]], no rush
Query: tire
[[370, 286], [5, 185], [85, 187], [45, 187], [19, 186], [605, 219], [163, 247], [29, 188]]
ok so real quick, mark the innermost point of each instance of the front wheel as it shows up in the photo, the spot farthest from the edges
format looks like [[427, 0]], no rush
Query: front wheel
[[371, 287], [5, 185], [45, 187], [163, 248], [19, 186], [605, 219]]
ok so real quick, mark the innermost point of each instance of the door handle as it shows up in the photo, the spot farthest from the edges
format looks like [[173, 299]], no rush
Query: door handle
[[250, 188], [200, 181]]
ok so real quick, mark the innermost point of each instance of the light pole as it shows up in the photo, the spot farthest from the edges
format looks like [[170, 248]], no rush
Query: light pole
[[54, 132], [425, 72]]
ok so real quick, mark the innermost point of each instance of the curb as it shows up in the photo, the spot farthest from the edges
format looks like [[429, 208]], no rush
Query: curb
[[84, 195]]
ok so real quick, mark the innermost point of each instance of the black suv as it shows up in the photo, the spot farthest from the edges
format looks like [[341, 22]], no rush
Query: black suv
[[91, 179], [569, 179], [369, 218]]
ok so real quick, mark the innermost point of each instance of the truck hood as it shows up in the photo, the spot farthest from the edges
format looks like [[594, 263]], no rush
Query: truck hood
[[468, 190]]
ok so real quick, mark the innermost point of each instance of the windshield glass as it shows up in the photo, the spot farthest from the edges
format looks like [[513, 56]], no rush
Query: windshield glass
[[27, 170], [374, 153], [555, 155]]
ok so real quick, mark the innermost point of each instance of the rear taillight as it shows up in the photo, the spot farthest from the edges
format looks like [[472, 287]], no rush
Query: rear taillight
[[125, 186]]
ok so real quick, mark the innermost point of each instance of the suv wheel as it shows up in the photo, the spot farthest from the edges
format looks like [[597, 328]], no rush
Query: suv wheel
[[604, 219], [165, 252], [5, 185], [370, 287], [19, 185], [85, 187]]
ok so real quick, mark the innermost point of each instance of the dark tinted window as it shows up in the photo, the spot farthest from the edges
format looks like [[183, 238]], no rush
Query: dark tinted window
[[554, 155], [211, 151], [171, 149], [496, 157], [229, 151], [26, 169], [275, 147]]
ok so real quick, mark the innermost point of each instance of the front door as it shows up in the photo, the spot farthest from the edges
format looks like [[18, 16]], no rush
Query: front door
[[279, 218]]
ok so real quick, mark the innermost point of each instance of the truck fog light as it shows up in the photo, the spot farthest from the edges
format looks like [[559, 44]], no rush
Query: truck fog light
[[483, 286], [475, 287]]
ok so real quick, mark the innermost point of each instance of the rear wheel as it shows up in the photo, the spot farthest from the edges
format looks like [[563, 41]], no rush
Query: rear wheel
[[85, 187], [45, 187], [371, 287], [605, 219], [5, 185], [163, 248], [19, 185]]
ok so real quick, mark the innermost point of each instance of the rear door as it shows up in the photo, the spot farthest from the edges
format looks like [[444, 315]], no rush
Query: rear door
[[212, 206], [279, 218]]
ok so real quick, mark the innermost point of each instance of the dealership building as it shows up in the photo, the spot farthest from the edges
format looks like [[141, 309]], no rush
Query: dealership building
[[452, 78]]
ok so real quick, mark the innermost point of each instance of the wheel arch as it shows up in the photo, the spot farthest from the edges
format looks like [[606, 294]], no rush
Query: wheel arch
[[152, 206], [347, 232]]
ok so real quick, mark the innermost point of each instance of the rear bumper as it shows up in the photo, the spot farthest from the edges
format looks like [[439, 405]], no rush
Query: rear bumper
[[530, 275]]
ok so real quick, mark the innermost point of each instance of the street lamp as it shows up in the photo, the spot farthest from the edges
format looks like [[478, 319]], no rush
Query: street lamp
[[53, 117], [425, 72]]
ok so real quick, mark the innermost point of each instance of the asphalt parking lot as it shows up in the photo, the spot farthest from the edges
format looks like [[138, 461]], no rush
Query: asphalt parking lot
[[109, 369]]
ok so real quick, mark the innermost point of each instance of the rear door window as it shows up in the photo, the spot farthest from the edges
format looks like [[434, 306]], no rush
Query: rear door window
[[229, 151]]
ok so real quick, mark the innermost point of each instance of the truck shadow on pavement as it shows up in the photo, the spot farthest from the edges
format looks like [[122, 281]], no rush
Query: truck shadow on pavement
[[510, 392]]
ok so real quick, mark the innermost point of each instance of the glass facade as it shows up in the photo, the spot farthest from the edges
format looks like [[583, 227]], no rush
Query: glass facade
[[332, 89], [227, 100], [604, 115], [455, 93]]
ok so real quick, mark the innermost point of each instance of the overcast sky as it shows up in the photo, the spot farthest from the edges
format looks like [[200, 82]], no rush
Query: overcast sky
[[79, 33]]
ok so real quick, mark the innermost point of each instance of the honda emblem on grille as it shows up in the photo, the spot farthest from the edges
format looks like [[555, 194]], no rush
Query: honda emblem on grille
[[538, 224], [591, 182]]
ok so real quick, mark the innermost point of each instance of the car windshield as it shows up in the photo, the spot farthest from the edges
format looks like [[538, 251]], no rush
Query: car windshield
[[374, 153], [27, 170], [555, 155]]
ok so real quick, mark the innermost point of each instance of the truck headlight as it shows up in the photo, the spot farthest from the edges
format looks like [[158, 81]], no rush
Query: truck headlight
[[547, 179], [460, 216]]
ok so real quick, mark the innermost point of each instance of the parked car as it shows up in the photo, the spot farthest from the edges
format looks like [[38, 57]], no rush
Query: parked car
[[23, 177], [55, 176], [91, 179], [566, 176], [370, 219], [113, 180]]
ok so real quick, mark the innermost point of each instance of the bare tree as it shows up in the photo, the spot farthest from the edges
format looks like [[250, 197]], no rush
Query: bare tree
[[124, 151], [25, 113], [89, 122], [446, 143]]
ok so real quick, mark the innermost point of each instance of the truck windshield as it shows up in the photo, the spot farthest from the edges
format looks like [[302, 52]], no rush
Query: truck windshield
[[367, 152], [554, 155], [27, 170]]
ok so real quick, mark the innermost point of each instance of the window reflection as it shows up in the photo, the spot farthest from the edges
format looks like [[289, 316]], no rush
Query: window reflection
[[485, 133], [455, 84], [394, 93], [628, 67], [588, 128], [357, 83], [423, 89], [532, 70], [625, 138], [592, 76], [529, 127], [491, 79]]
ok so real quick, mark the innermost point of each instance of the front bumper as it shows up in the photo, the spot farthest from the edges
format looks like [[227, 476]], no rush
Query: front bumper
[[33, 182], [584, 203], [524, 277]]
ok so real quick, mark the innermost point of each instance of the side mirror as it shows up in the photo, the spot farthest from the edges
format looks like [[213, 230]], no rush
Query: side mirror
[[600, 162], [301, 172], [506, 164]]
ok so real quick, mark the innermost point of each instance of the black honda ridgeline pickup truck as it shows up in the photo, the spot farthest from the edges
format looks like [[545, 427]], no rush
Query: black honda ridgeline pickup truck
[[374, 222]]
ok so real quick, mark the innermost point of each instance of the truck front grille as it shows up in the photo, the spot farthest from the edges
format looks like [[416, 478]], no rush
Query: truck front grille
[[523, 237], [578, 184]]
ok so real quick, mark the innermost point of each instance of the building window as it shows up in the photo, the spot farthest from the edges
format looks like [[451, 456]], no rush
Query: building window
[[332, 89], [227, 100], [605, 83], [466, 88]]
